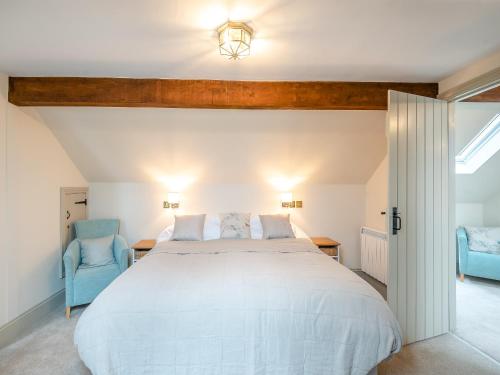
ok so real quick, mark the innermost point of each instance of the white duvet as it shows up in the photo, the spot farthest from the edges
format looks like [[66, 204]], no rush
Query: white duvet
[[245, 307]]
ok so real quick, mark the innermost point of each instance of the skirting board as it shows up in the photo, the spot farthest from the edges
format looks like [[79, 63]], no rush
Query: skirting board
[[26, 323]]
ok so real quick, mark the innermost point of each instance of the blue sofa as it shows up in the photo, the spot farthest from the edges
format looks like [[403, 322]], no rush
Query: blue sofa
[[83, 283], [475, 263]]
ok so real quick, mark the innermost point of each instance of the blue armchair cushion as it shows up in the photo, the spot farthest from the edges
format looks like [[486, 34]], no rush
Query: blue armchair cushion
[[90, 281], [96, 228], [484, 239], [97, 251]]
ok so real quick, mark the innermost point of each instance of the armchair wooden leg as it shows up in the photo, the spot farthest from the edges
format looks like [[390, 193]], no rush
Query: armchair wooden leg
[[462, 277], [68, 312]]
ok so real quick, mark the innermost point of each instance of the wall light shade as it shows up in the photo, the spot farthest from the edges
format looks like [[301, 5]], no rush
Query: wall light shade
[[286, 197], [234, 40], [173, 200]]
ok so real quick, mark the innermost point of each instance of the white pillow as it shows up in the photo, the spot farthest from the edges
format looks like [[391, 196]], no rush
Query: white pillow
[[299, 233], [257, 231], [212, 228], [166, 234]]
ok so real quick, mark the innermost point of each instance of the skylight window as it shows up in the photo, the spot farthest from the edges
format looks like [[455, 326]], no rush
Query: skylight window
[[477, 152]]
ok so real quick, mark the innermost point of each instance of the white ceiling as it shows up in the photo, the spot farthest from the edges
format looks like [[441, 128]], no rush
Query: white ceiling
[[470, 118], [220, 146], [360, 40]]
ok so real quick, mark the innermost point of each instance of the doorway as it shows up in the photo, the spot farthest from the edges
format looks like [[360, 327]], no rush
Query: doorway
[[422, 260], [477, 149], [73, 208]]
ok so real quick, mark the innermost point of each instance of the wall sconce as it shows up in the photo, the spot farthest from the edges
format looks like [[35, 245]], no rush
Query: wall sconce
[[172, 201], [288, 202]]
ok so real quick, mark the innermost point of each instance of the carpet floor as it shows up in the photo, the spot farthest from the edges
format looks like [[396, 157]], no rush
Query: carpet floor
[[50, 350], [478, 314], [377, 285]]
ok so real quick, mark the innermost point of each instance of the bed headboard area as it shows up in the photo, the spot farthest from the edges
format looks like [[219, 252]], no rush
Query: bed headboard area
[[225, 161]]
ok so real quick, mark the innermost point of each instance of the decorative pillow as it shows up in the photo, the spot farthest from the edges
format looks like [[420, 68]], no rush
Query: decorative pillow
[[257, 231], [276, 226], [188, 228], [97, 251], [484, 239], [235, 226]]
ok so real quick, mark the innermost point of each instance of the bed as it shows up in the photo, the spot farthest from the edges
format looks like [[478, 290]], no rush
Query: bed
[[246, 307]]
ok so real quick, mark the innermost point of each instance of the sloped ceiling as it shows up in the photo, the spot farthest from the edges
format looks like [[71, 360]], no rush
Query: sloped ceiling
[[470, 118], [220, 146], [362, 40]]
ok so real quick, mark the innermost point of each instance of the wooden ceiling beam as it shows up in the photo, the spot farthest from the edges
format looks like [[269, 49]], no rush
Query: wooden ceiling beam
[[174, 93], [492, 96]]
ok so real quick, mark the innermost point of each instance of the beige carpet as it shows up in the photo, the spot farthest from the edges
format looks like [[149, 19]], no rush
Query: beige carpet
[[443, 355], [478, 314], [49, 350], [377, 285]]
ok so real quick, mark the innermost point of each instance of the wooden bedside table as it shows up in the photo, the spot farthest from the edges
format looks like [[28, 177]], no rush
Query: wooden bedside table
[[141, 248], [328, 246]]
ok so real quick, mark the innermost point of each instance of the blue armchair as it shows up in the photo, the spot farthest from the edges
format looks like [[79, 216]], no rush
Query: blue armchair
[[475, 263], [83, 283]]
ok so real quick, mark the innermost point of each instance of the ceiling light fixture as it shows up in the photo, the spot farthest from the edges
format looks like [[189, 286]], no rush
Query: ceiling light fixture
[[234, 40]]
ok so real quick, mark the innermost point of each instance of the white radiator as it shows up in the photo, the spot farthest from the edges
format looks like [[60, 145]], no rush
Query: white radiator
[[374, 253]]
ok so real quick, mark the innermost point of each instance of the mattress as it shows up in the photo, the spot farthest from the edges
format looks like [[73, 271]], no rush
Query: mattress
[[246, 307]]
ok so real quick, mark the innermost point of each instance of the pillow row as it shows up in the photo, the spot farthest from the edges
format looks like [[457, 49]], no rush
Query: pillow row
[[228, 226]]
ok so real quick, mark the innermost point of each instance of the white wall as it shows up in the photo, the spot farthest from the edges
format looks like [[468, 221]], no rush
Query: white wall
[[492, 211], [3, 199], [219, 160], [224, 146], [225, 160], [469, 214], [376, 197], [36, 167], [330, 210]]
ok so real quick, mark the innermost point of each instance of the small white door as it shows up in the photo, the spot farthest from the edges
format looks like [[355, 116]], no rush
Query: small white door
[[421, 264], [73, 208]]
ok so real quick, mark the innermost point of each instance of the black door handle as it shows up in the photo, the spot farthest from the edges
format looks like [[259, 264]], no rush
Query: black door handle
[[396, 221], [68, 215], [82, 202]]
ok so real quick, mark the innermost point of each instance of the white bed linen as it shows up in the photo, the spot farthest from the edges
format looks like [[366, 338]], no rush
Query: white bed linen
[[242, 307]]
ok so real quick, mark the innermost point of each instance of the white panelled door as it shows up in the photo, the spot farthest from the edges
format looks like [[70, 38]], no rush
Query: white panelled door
[[421, 246]]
